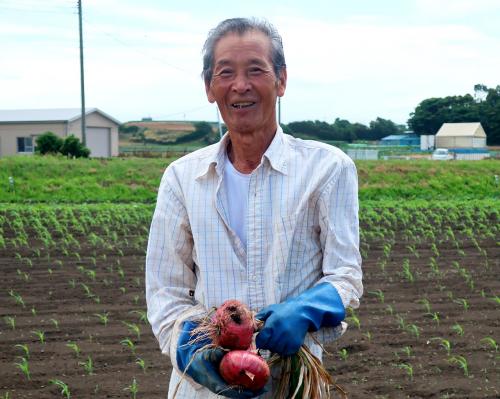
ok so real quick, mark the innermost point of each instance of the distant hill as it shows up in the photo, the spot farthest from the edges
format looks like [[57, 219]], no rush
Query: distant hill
[[166, 133], [174, 126]]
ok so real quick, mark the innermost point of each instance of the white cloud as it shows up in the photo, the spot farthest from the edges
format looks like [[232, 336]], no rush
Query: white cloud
[[456, 8]]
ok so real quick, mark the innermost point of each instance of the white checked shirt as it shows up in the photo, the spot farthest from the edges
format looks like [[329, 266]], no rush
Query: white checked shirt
[[302, 229]]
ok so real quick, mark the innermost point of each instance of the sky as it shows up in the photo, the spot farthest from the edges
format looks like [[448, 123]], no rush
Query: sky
[[355, 60]]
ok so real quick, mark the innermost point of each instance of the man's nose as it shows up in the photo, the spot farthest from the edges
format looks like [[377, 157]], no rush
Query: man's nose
[[241, 83]]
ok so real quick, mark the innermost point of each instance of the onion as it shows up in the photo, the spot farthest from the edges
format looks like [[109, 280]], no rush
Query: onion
[[244, 369], [235, 325]]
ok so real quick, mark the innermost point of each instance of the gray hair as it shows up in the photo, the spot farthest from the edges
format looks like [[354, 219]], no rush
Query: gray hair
[[242, 26]]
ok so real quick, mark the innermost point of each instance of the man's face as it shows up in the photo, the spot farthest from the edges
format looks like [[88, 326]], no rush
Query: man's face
[[244, 84]]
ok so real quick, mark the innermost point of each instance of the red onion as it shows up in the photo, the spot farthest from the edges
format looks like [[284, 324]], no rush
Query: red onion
[[244, 369]]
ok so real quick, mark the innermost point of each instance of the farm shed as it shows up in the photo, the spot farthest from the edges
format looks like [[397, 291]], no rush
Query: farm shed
[[461, 135], [401, 139], [19, 128]]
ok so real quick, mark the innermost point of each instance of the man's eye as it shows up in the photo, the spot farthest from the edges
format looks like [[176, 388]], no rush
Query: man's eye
[[225, 73], [255, 71]]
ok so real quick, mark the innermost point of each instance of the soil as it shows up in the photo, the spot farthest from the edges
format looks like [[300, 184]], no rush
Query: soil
[[373, 361]]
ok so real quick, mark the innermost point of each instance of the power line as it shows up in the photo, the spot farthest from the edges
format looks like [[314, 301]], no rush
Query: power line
[[125, 44]]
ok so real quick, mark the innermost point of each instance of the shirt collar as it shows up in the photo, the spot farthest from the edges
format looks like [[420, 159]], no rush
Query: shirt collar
[[275, 154]]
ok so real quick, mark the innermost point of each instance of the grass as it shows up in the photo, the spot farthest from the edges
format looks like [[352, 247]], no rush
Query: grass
[[124, 180]]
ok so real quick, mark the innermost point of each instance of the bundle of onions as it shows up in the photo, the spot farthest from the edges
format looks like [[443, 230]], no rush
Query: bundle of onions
[[232, 326]]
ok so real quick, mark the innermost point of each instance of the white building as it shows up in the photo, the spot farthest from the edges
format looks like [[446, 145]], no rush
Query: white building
[[19, 128], [461, 135]]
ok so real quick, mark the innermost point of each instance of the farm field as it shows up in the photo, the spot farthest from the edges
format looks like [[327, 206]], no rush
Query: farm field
[[130, 180], [72, 307], [73, 278]]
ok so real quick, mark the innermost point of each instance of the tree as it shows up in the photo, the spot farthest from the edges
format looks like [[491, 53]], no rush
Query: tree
[[431, 113], [72, 147], [489, 114], [381, 127], [202, 130], [48, 143]]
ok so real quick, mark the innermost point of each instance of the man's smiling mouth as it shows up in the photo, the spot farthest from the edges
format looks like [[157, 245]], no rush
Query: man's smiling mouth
[[243, 104]]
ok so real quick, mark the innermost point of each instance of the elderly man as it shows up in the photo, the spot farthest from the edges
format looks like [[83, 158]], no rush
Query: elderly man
[[261, 217]]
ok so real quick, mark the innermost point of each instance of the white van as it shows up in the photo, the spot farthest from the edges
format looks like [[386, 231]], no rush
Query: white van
[[442, 154]]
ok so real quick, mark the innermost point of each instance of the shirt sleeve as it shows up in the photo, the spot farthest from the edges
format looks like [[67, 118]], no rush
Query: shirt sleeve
[[339, 224], [170, 269]]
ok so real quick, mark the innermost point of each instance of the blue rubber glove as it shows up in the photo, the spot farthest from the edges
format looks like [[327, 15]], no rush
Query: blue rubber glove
[[287, 323], [203, 366]]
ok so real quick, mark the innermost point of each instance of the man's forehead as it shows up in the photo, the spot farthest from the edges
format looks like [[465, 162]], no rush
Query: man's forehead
[[233, 41], [229, 61]]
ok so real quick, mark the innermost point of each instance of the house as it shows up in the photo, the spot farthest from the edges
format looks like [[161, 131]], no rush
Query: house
[[410, 139], [461, 135], [19, 128]]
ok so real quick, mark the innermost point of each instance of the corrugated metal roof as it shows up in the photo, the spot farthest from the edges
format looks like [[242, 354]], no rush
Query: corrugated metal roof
[[47, 115], [461, 129], [400, 137]]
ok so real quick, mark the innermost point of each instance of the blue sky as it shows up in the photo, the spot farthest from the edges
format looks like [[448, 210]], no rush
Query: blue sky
[[354, 60]]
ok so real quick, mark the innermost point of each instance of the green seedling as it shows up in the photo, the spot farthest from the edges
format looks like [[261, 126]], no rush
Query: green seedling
[[435, 317], [142, 364], [457, 329], [463, 302], [407, 351], [134, 329], [24, 348], [426, 304], [401, 322], [74, 347], [55, 323], [141, 314], [444, 343], [408, 368], [40, 334], [103, 317], [461, 362], [414, 329], [88, 365], [10, 321], [354, 320], [24, 366], [133, 388], [379, 294], [127, 342], [490, 342], [17, 298], [407, 273], [64, 387], [343, 354]]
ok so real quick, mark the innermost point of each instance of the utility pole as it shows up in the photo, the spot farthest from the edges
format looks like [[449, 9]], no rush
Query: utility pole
[[279, 111], [82, 84], [218, 121]]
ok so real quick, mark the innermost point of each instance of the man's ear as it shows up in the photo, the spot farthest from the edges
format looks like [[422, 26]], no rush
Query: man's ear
[[210, 96], [281, 83]]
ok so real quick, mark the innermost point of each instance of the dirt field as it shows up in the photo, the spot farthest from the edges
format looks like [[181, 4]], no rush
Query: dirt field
[[400, 349]]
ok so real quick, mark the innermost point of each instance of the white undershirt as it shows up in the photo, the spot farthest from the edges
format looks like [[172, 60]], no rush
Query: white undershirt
[[237, 185]]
